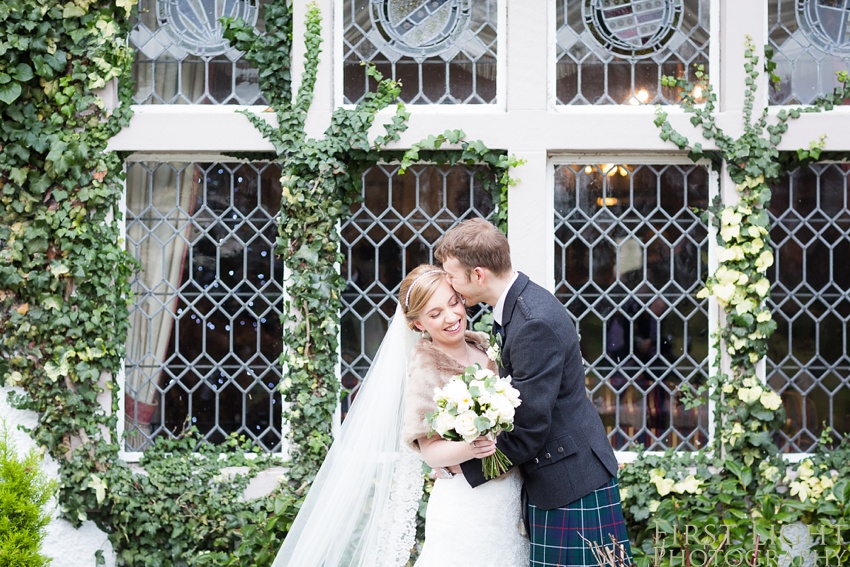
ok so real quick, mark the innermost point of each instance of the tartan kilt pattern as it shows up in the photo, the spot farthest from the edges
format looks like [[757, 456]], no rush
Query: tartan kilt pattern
[[554, 534]]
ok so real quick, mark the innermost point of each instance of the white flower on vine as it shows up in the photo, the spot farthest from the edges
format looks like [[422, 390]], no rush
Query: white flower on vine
[[756, 335], [99, 486], [690, 485], [730, 232], [724, 292], [738, 343], [750, 395], [761, 287], [664, 486], [735, 433], [770, 400], [800, 489], [805, 470], [764, 261], [756, 245], [756, 231], [730, 217], [127, 5], [764, 316], [745, 306], [730, 254], [771, 473]]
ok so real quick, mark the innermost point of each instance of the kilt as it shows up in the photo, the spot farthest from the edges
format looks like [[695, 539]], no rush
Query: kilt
[[555, 534]]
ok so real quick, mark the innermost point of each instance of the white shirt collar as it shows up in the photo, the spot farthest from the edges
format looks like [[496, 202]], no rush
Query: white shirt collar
[[499, 308]]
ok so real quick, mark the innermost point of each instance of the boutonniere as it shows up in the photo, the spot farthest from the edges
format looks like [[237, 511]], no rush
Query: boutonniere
[[494, 351]]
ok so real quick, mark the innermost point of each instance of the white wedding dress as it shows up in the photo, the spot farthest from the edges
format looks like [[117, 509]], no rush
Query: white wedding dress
[[478, 527]]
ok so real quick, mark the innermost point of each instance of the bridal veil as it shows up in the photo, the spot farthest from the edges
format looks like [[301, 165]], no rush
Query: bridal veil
[[361, 508]]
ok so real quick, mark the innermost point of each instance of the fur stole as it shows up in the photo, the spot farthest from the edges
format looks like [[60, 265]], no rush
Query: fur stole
[[429, 368]]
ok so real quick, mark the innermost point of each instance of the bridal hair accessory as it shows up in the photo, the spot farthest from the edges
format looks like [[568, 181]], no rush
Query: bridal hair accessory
[[416, 281]]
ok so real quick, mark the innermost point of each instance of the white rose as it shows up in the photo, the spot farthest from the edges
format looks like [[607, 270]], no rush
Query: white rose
[[456, 393], [483, 374], [504, 407], [492, 413], [512, 395], [465, 426], [444, 422]]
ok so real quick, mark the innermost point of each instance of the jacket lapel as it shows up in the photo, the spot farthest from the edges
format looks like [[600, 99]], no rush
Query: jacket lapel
[[511, 299]]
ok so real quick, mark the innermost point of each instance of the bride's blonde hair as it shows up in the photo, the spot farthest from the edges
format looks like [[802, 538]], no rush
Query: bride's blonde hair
[[417, 288]]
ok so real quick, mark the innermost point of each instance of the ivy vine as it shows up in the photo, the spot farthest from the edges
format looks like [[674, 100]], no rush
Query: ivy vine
[[727, 504], [63, 272], [321, 180], [747, 413]]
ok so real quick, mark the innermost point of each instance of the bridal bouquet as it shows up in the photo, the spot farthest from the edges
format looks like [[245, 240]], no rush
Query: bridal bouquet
[[472, 404]]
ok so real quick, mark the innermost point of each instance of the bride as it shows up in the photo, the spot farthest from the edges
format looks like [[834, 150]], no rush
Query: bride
[[361, 509]]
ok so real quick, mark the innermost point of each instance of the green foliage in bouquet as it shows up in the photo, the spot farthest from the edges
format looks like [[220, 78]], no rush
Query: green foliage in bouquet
[[472, 404]]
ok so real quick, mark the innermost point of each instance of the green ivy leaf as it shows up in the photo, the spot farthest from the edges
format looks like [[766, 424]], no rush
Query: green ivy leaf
[[10, 92]]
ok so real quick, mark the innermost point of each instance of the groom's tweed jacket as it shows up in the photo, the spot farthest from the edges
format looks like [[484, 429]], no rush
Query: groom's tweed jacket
[[558, 440]]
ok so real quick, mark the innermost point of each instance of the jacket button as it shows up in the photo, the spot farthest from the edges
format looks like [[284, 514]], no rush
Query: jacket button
[[548, 456], [536, 460], [560, 449]]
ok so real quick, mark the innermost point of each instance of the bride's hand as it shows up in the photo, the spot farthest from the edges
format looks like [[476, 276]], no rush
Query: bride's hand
[[483, 447]]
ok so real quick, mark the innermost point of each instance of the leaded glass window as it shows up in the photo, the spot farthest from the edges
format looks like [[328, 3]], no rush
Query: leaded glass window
[[616, 51], [630, 257], [205, 329], [182, 58], [390, 232], [811, 42], [808, 362], [443, 51]]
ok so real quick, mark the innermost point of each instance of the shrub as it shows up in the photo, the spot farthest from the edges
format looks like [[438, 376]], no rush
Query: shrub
[[24, 493]]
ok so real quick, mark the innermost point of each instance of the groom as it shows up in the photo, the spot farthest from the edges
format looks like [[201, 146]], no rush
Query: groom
[[558, 442]]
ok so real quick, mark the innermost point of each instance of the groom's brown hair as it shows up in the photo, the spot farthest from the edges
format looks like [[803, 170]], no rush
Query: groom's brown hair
[[476, 243]]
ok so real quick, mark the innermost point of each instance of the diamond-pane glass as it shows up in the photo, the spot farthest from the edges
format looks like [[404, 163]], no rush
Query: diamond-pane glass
[[630, 257], [205, 329], [182, 58], [616, 51], [811, 43], [390, 232], [808, 362], [442, 51]]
